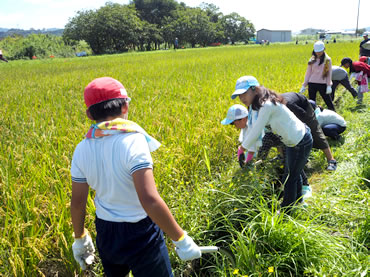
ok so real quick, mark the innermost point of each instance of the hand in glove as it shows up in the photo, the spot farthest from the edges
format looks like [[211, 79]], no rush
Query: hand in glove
[[83, 250], [302, 90], [328, 89], [187, 249], [241, 156]]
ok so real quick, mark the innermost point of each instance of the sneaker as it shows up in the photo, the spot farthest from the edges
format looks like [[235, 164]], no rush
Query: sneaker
[[306, 192], [332, 165]]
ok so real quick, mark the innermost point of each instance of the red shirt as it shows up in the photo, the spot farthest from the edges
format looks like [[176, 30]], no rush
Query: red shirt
[[360, 66]]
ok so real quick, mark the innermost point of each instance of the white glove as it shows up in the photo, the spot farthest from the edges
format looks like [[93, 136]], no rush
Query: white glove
[[187, 249], [302, 90], [83, 250], [328, 89]]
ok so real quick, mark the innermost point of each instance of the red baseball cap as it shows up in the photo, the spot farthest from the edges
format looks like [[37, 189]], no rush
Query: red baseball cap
[[103, 89], [363, 59]]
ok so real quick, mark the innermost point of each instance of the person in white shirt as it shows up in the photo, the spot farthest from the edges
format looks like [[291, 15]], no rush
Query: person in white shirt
[[332, 124], [114, 160], [295, 135]]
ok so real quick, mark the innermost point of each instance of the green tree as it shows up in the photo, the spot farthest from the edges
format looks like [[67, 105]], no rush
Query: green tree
[[81, 27], [120, 27], [149, 37], [112, 28], [212, 11], [359, 32], [237, 28], [155, 11], [39, 45], [190, 25]]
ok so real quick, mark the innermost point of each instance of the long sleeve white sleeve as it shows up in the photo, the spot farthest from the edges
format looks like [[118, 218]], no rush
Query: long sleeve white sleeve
[[258, 127]]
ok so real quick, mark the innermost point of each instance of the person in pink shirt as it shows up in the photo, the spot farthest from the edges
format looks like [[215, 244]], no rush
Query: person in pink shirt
[[318, 75]]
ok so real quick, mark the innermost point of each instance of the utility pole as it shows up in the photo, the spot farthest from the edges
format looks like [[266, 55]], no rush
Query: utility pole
[[358, 13]]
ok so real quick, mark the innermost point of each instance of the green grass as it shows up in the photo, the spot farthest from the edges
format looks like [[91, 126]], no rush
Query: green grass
[[180, 98]]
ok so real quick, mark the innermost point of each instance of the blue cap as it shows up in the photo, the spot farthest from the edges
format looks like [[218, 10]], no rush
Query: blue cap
[[235, 112], [243, 84]]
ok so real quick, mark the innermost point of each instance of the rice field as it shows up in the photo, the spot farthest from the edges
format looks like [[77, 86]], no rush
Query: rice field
[[180, 97]]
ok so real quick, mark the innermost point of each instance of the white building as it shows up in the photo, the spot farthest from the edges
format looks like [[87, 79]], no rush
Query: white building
[[274, 35]]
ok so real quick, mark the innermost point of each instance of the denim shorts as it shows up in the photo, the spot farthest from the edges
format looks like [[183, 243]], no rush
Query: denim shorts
[[139, 247]]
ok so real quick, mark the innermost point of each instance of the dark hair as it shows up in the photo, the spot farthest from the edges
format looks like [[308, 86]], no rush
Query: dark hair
[[103, 110], [263, 94], [348, 60], [322, 58]]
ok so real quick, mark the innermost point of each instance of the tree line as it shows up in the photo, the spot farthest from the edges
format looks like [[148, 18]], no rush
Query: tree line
[[14, 32], [37, 46], [152, 24]]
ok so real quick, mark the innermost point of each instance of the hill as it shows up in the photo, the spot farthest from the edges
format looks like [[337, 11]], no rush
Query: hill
[[10, 32]]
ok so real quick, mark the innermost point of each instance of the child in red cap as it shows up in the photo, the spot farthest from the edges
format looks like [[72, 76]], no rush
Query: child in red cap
[[114, 160]]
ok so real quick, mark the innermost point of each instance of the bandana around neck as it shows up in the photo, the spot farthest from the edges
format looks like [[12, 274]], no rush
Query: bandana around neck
[[326, 64], [119, 126]]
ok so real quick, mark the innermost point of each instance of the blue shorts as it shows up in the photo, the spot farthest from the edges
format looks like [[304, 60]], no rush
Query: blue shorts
[[139, 247]]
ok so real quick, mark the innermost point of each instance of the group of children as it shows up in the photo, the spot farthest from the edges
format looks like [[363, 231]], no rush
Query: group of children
[[115, 161], [324, 78], [291, 122]]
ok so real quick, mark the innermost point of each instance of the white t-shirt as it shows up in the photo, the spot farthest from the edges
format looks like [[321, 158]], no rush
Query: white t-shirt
[[282, 121], [107, 164], [329, 117]]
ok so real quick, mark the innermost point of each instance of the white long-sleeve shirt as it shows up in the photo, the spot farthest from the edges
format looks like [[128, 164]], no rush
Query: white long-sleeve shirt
[[329, 117], [243, 134], [282, 121], [252, 117]]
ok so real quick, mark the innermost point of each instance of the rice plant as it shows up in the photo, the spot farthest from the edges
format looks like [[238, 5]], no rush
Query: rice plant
[[180, 98]]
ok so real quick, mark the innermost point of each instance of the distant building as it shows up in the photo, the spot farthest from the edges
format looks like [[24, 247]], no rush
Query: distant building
[[327, 34], [311, 31], [334, 32], [274, 35], [349, 33]]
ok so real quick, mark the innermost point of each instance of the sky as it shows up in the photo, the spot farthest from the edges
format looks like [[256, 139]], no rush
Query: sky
[[292, 15]]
